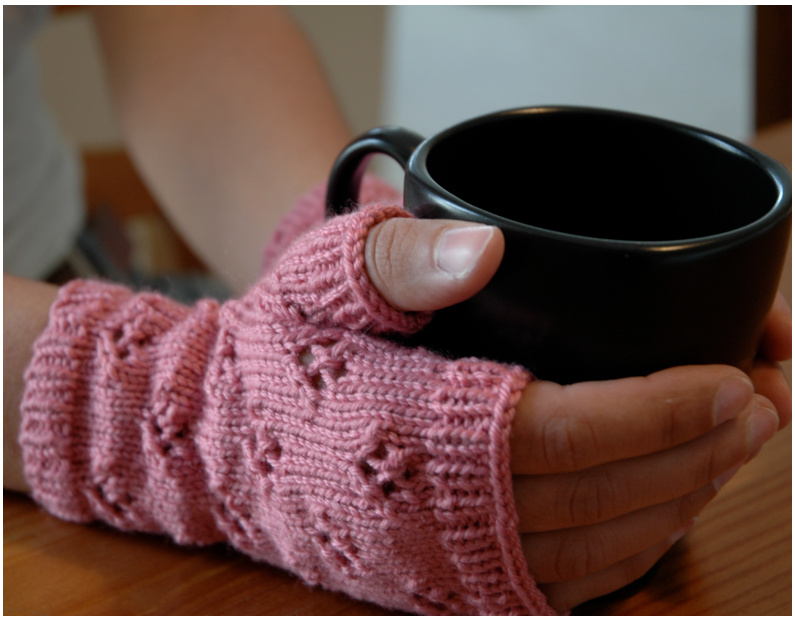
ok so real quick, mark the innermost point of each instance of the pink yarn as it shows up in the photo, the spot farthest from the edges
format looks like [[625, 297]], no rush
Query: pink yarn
[[279, 424]]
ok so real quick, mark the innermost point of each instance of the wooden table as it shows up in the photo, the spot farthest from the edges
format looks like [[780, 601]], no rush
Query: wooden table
[[736, 560]]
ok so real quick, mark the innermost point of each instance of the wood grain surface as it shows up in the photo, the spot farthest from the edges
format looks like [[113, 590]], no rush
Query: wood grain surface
[[736, 561]]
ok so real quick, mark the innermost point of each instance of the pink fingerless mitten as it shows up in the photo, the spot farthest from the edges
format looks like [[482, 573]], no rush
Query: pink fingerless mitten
[[276, 424]]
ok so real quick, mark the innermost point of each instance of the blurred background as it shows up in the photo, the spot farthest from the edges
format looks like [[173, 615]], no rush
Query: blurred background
[[724, 68]]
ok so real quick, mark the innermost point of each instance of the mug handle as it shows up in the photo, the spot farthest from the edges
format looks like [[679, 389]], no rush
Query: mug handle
[[346, 174]]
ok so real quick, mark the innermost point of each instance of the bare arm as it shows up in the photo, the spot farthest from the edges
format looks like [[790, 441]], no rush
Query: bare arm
[[228, 116], [26, 305]]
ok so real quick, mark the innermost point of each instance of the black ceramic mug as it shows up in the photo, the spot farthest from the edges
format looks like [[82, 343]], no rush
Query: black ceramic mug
[[632, 243]]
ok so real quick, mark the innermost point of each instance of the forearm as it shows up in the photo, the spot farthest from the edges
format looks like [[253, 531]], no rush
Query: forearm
[[26, 306], [228, 116], [277, 423]]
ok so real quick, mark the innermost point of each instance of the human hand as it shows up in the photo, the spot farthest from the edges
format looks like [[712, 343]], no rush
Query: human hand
[[429, 264], [364, 466], [608, 475], [403, 261], [776, 347], [583, 455]]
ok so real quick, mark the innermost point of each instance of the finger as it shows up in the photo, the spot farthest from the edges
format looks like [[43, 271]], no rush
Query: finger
[[424, 265], [565, 428], [565, 555], [564, 596], [777, 339], [769, 381], [557, 501]]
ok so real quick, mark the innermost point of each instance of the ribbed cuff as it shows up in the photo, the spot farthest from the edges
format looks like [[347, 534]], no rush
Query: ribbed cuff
[[322, 279]]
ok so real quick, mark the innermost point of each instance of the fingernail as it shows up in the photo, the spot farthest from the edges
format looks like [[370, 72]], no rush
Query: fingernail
[[725, 477], [762, 425], [460, 248], [732, 397]]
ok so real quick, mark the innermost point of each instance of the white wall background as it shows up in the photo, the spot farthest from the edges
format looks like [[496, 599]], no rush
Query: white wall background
[[693, 64]]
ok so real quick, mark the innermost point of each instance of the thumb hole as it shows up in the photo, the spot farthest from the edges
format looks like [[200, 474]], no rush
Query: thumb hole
[[424, 264]]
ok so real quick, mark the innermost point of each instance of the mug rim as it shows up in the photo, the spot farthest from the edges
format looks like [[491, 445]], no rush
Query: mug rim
[[778, 174]]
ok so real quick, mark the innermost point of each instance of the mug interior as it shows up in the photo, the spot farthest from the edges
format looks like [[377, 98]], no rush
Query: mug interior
[[602, 175]]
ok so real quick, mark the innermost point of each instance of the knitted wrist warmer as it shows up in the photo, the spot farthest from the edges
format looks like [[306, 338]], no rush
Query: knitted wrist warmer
[[272, 423]]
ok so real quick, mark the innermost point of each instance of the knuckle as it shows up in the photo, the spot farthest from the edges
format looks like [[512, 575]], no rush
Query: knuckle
[[567, 442], [557, 444], [675, 417], [683, 400], [594, 497], [382, 242], [669, 420], [580, 555]]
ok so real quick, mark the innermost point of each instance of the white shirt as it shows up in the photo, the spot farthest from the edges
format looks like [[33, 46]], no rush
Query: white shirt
[[43, 203]]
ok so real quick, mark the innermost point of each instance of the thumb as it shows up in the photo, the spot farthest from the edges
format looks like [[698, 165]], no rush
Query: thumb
[[428, 264]]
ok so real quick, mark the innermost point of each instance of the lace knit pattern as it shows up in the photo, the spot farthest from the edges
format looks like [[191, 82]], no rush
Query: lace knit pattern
[[277, 423]]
